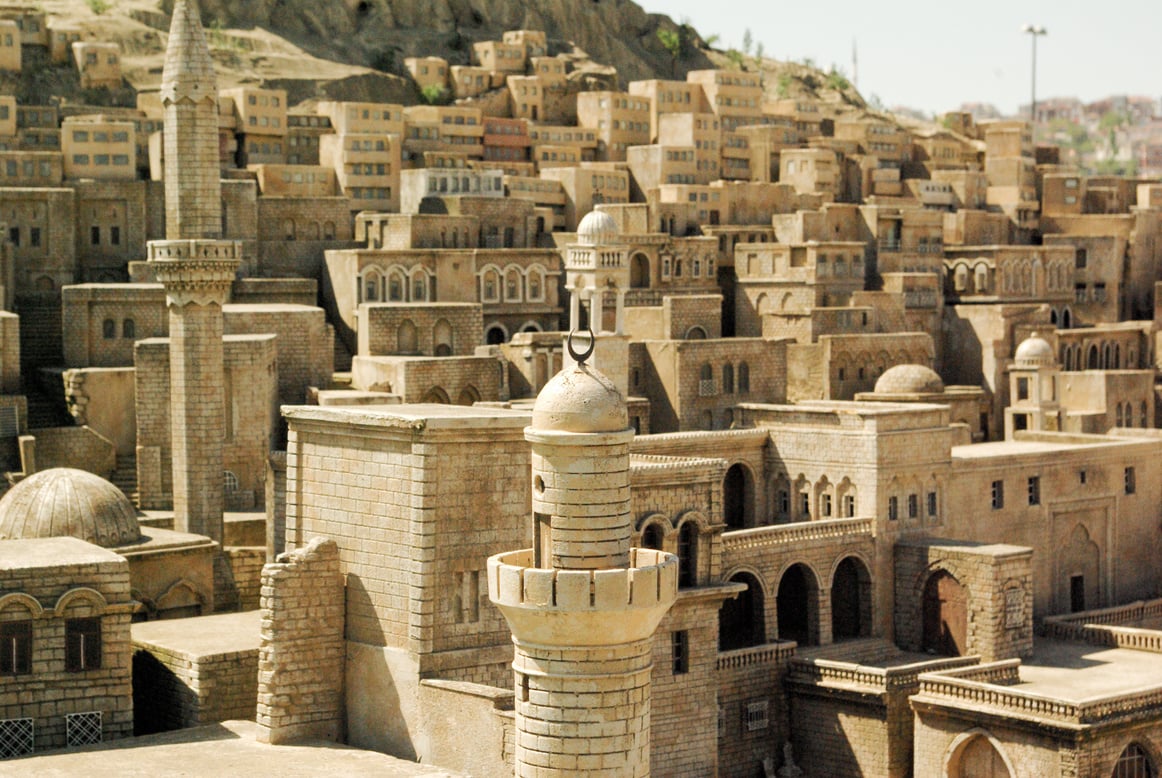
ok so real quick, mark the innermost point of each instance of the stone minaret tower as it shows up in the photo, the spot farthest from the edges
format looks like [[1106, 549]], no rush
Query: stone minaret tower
[[197, 269], [582, 604]]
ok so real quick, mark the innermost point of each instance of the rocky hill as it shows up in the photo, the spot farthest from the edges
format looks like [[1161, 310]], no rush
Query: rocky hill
[[354, 49]]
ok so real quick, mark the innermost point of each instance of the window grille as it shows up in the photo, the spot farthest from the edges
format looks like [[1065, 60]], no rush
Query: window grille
[[83, 729], [16, 737]]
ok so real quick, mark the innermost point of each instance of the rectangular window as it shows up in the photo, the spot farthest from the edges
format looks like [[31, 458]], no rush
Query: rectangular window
[[825, 508], [931, 503], [16, 647], [1130, 481], [34, 236], [848, 506], [893, 508], [14, 236], [82, 645], [115, 236], [913, 506], [756, 716], [1035, 490], [95, 236], [998, 495], [680, 651]]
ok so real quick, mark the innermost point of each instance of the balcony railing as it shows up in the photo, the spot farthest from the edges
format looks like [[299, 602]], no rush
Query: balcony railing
[[799, 532]]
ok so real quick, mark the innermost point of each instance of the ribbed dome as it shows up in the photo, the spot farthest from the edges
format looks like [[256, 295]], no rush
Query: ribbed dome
[[66, 502], [909, 379], [580, 399], [597, 229], [1035, 351]]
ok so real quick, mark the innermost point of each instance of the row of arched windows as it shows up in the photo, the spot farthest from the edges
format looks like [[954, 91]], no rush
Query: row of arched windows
[[807, 501], [308, 230], [1107, 356], [1124, 414], [396, 285], [683, 540], [513, 284]]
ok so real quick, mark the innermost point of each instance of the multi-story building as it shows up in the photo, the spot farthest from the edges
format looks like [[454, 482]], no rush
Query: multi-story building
[[620, 120], [734, 96], [94, 147], [367, 168]]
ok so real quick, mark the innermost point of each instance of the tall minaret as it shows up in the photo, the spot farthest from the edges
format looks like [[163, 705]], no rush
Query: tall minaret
[[582, 604], [197, 269], [189, 96]]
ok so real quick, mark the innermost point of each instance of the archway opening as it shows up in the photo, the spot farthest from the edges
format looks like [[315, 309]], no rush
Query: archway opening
[[494, 336], [1134, 762], [688, 554], [978, 758], [740, 621], [795, 604], [850, 600], [738, 497], [653, 536], [639, 271], [945, 615]]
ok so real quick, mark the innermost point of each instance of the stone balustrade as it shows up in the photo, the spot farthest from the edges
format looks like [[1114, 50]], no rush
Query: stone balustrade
[[799, 532]]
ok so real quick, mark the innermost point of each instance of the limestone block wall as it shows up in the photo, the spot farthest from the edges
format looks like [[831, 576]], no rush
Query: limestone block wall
[[251, 393], [103, 399], [305, 343], [683, 696], [752, 707], [52, 214], [102, 208], [471, 727], [40, 329], [459, 380], [293, 233], [998, 585], [81, 581], [9, 353], [291, 291], [681, 313], [452, 329], [302, 654], [102, 322], [176, 689], [246, 568], [79, 447]]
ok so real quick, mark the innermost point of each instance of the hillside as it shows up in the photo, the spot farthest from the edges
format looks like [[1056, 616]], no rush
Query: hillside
[[354, 49]]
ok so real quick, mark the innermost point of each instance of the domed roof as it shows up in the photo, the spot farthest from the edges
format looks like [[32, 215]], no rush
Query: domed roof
[[909, 379], [597, 229], [580, 399], [67, 502], [1035, 351]]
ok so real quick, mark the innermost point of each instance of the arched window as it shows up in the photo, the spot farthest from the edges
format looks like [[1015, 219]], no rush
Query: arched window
[[706, 373], [1134, 762], [442, 338], [109, 329], [128, 328], [728, 378], [743, 377], [328, 230], [395, 287], [536, 285], [978, 758], [419, 288], [1120, 422], [490, 286], [407, 340], [512, 286], [688, 554], [653, 536], [288, 229], [1143, 418]]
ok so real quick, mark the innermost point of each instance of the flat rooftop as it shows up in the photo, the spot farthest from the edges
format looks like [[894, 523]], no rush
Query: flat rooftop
[[229, 748], [214, 635], [1074, 671], [416, 416]]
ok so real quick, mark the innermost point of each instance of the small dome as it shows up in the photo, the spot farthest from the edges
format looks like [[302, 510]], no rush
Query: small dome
[[580, 399], [597, 229], [1035, 351], [909, 379], [66, 502]]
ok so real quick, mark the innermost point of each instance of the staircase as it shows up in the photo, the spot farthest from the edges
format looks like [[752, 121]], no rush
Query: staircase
[[125, 477], [342, 356]]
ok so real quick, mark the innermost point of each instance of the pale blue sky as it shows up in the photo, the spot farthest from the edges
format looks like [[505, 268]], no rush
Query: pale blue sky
[[934, 55]]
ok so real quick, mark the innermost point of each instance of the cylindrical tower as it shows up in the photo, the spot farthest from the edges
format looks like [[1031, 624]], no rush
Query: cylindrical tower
[[582, 604]]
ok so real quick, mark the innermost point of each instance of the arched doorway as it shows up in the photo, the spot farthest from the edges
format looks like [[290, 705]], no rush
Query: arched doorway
[[437, 395], [850, 600], [740, 621], [653, 536], [978, 758], [407, 338], [945, 615], [695, 333], [468, 396], [639, 271], [738, 497], [795, 605]]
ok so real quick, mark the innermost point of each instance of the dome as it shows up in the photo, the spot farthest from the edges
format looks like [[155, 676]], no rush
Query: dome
[[597, 229], [67, 502], [909, 379], [1035, 351], [580, 399]]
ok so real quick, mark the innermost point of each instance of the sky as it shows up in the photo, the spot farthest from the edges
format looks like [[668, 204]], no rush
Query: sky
[[934, 55]]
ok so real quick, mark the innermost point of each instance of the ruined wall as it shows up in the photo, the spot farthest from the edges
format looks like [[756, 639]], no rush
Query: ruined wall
[[302, 654]]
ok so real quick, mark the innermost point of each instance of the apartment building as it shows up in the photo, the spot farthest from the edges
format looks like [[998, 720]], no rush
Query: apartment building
[[619, 119]]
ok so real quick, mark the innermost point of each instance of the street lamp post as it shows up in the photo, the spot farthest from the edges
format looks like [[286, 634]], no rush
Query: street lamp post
[[1033, 32]]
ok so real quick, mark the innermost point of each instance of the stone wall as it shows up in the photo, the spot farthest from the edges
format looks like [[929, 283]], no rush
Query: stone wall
[[387, 329], [9, 353], [246, 567], [683, 313], [79, 447], [301, 660], [998, 586], [459, 380], [752, 708], [258, 291], [314, 219], [103, 399], [101, 322], [305, 343]]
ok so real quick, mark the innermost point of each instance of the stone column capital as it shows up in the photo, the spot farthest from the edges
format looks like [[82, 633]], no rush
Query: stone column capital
[[195, 271]]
